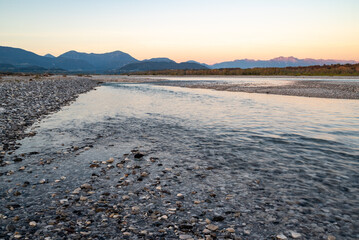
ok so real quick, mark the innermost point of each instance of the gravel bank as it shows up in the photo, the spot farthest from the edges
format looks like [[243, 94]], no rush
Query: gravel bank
[[25, 99], [320, 89], [346, 88]]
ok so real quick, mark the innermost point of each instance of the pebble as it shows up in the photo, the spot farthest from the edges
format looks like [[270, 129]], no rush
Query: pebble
[[86, 186], [82, 198], [111, 160], [187, 237], [295, 234], [212, 227], [231, 230], [33, 224], [331, 237], [281, 237]]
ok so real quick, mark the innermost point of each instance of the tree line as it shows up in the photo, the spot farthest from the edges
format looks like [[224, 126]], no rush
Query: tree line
[[325, 70]]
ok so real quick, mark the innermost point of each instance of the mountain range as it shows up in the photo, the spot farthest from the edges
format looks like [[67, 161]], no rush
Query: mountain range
[[19, 60]]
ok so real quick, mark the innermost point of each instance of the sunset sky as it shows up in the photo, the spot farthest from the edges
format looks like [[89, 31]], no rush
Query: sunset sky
[[206, 31]]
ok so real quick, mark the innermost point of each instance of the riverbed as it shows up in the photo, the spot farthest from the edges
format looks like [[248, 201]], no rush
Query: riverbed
[[146, 160]]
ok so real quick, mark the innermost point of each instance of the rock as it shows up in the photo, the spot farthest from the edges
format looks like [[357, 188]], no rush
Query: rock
[[82, 198], [138, 155], [17, 236], [206, 231], [185, 237], [196, 202], [22, 168], [247, 232], [111, 160], [127, 234], [331, 237], [125, 198], [86, 186], [230, 230], [295, 234], [33, 224], [135, 209], [87, 148], [76, 191], [180, 195], [143, 232], [144, 174], [281, 237], [212, 227], [218, 218], [42, 181]]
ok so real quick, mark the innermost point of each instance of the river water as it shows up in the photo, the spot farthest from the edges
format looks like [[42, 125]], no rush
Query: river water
[[296, 156]]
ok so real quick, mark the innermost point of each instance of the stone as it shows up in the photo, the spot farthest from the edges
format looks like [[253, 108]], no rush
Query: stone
[[295, 234], [206, 231], [111, 160], [32, 224], [125, 197], [86, 186], [331, 237], [281, 237], [87, 148], [218, 218], [82, 198], [144, 174], [212, 227], [138, 155], [231, 230], [180, 195], [42, 181], [186, 237], [76, 191]]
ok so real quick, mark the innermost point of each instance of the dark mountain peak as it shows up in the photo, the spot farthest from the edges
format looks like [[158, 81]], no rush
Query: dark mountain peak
[[159, 59], [49, 55]]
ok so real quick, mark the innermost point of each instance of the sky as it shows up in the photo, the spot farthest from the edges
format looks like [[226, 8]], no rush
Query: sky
[[206, 31]]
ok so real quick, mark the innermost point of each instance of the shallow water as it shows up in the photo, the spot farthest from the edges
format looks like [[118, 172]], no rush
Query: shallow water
[[302, 151]]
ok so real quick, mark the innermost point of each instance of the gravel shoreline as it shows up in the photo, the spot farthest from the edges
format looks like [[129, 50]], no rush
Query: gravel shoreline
[[316, 87], [26, 99]]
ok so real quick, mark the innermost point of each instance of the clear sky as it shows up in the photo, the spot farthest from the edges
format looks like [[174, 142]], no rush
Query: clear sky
[[203, 30]]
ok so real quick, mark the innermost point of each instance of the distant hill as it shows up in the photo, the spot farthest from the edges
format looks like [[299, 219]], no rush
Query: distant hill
[[21, 58], [161, 59], [49, 55], [103, 61], [154, 66], [277, 62]]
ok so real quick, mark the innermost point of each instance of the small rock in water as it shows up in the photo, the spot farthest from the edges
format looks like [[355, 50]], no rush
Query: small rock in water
[[331, 237], [281, 237], [32, 224], [76, 191], [138, 155], [42, 181], [86, 186], [231, 230], [111, 160], [295, 234], [87, 148]]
